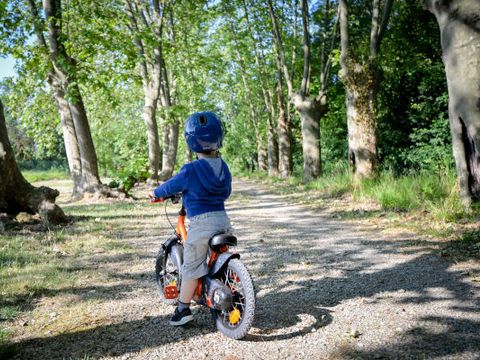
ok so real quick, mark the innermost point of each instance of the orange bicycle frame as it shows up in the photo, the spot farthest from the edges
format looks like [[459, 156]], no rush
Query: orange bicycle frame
[[180, 229]]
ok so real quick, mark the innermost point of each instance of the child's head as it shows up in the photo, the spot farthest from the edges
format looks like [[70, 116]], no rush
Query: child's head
[[204, 132]]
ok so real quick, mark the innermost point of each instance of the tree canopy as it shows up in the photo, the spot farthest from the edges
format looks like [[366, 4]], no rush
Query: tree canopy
[[272, 70]]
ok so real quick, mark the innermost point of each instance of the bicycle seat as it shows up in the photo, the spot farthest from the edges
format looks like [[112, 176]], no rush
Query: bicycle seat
[[222, 239]]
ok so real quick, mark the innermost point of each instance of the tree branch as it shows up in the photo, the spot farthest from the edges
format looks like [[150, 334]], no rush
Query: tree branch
[[37, 25], [386, 17], [344, 37], [306, 51], [325, 70], [137, 41], [374, 29], [279, 45]]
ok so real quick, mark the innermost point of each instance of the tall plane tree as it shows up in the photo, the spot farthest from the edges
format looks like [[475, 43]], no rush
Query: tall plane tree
[[272, 143], [146, 26], [63, 80], [242, 61], [460, 37], [361, 82], [168, 93], [16, 193], [59, 94], [310, 108]]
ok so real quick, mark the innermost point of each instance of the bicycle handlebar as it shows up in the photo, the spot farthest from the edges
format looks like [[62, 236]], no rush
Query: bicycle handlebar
[[175, 198]]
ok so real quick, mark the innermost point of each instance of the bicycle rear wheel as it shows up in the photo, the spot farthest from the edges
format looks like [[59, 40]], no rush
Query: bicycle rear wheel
[[237, 321]]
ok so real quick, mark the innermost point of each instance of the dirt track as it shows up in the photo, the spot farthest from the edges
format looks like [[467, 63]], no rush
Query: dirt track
[[326, 288]]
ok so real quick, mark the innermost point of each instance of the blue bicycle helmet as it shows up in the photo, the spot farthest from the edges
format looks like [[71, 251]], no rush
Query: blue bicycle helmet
[[203, 132]]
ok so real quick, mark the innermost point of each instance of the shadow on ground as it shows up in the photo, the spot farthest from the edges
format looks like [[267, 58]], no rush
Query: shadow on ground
[[297, 307]]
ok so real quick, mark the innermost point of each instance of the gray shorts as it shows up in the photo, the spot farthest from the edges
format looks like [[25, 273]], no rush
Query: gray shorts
[[202, 228]]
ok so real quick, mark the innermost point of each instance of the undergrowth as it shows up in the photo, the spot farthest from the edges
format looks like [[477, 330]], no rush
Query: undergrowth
[[430, 199]]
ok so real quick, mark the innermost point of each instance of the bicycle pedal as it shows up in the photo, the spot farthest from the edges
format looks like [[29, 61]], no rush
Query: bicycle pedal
[[170, 292]]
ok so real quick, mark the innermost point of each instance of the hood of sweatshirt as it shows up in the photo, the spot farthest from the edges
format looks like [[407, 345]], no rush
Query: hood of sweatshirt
[[215, 184]]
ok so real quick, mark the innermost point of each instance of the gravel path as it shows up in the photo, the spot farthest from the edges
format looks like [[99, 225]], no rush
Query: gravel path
[[326, 289]]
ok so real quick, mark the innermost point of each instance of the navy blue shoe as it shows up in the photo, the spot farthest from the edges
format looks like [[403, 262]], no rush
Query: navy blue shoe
[[181, 317]]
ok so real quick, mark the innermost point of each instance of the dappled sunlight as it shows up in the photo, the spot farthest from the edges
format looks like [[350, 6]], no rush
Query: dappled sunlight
[[318, 279]]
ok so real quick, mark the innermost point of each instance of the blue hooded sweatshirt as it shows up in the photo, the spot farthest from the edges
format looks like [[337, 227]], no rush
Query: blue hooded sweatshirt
[[202, 190]]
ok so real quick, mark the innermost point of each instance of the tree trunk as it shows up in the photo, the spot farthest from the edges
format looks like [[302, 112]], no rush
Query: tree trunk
[[261, 154], [272, 144], [361, 120], [460, 37], [283, 131], [361, 81], [165, 144], [65, 70], [284, 144], [59, 94], [69, 136], [90, 178], [16, 194], [272, 149], [149, 117], [170, 152], [311, 111]]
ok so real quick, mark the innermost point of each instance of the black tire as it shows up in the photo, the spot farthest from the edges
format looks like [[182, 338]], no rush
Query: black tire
[[243, 293], [162, 278]]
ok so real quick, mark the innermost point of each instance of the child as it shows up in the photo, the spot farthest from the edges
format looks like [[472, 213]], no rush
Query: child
[[205, 184]]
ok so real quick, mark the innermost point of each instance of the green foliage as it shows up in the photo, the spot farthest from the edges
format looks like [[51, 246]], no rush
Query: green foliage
[[202, 58], [37, 117], [413, 101]]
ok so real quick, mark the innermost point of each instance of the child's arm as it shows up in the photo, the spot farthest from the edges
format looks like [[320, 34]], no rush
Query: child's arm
[[174, 185]]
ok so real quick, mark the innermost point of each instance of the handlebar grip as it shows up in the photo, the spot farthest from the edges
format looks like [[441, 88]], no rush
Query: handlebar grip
[[155, 199]]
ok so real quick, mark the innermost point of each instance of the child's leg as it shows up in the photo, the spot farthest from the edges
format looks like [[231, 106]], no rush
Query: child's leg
[[187, 290], [194, 261]]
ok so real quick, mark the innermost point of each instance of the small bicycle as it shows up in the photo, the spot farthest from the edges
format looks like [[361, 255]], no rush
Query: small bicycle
[[227, 289]]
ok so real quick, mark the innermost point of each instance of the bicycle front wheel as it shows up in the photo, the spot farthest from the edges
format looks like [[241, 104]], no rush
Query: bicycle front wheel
[[166, 274]]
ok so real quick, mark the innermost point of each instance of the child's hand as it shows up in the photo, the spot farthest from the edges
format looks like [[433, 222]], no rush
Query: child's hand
[[152, 198]]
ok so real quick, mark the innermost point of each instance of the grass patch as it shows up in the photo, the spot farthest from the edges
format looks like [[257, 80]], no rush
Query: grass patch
[[428, 203], [426, 192], [45, 175], [63, 260]]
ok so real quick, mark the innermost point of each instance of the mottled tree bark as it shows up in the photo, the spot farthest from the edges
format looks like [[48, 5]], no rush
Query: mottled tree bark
[[170, 150], [310, 110], [69, 137], [361, 120], [460, 37], [16, 194], [285, 167], [361, 81]]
